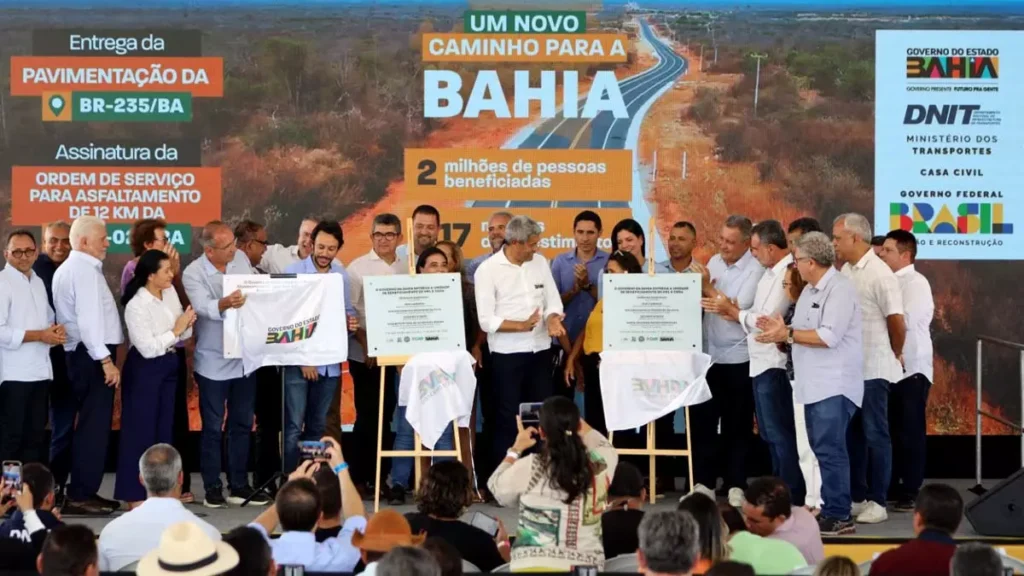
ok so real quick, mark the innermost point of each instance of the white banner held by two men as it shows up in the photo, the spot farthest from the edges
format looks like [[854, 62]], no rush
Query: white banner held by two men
[[287, 321], [652, 363]]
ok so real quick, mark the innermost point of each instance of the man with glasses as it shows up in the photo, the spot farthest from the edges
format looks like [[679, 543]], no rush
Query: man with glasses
[[251, 240], [381, 260], [27, 331], [220, 379], [310, 391]]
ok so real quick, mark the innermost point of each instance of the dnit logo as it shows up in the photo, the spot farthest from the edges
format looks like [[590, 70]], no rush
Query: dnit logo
[[953, 67], [950, 114], [971, 218]]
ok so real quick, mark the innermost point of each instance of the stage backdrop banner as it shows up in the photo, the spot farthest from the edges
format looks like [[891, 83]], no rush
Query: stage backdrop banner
[[407, 315], [298, 321], [948, 137], [660, 312]]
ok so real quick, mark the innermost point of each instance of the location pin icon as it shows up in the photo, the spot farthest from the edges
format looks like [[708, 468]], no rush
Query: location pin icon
[[56, 104]]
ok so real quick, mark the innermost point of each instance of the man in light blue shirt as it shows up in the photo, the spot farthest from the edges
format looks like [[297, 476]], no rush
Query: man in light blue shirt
[[220, 379], [297, 508], [733, 273], [828, 358], [309, 390], [495, 237]]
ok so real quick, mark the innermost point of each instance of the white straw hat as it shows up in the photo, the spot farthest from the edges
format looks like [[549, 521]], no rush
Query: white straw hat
[[186, 550]]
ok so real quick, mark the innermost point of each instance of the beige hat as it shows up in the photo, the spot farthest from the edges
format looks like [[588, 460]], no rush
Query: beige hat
[[186, 550]]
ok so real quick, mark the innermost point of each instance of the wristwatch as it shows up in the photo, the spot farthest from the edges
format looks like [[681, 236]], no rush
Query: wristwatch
[[789, 336], [587, 286]]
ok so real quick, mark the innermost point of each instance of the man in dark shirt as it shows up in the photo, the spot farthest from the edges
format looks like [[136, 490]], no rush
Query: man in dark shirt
[[619, 523], [937, 514], [19, 547], [40, 483]]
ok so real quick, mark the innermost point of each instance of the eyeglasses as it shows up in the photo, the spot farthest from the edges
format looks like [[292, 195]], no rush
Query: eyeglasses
[[258, 241], [26, 253], [384, 235]]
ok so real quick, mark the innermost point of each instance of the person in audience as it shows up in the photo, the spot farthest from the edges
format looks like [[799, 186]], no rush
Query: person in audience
[[837, 566], [444, 496], [278, 257], [309, 390], [769, 512], [584, 360], [87, 310], [881, 305], [767, 556], [221, 380], [426, 225], [520, 309], [908, 398], [976, 559], [622, 517], [151, 234], [773, 394], [55, 250], [576, 272], [447, 557], [561, 490], [668, 544], [24, 533], [682, 239], [129, 537], [711, 530], [732, 274], [937, 514], [251, 240], [297, 509], [408, 561], [385, 531], [828, 361], [730, 568], [495, 238], [40, 490], [254, 555], [381, 260], [186, 550], [331, 521], [27, 332], [156, 323], [69, 550]]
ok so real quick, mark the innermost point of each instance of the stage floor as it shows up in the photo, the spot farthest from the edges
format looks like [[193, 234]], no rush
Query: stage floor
[[868, 541]]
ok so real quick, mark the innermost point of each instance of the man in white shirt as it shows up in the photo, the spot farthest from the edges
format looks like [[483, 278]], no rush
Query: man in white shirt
[[426, 225], [908, 399], [773, 394], [131, 536], [495, 238], [732, 274], [27, 331], [381, 260], [881, 304], [86, 308], [220, 380], [520, 309], [278, 257]]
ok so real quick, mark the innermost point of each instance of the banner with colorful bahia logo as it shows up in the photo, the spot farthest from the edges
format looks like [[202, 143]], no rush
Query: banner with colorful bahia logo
[[948, 140]]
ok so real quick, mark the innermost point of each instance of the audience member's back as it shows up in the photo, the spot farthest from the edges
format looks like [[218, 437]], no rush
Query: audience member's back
[[40, 481], [408, 561], [730, 568], [254, 554], [448, 558], [765, 555], [330, 521], [70, 550], [937, 514], [976, 559], [669, 543], [623, 515]]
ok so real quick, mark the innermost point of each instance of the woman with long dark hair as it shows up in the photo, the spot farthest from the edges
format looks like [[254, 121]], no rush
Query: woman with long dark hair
[[561, 490], [711, 530], [156, 323]]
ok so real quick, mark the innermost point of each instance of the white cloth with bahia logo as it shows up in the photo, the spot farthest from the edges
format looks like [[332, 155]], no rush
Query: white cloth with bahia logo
[[290, 323], [639, 387], [437, 388]]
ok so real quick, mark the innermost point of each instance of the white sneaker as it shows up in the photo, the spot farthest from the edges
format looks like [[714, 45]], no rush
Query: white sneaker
[[700, 489], [873, 514], [736, 497], [858, 508]]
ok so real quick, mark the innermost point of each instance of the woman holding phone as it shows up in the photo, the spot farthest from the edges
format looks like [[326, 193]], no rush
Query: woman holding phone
[[156, 323]]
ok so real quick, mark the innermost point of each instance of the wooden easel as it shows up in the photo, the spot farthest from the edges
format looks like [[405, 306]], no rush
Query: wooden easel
[[418, 451], [651, 450]]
